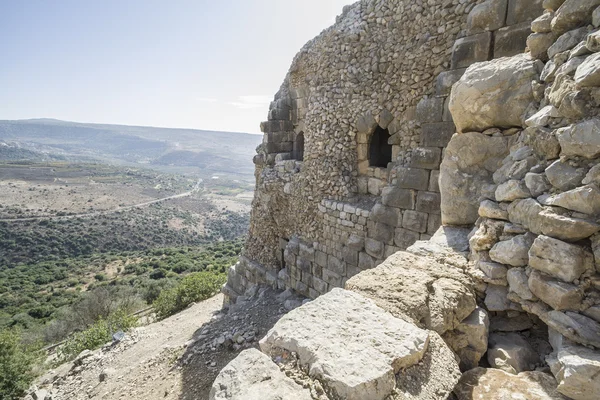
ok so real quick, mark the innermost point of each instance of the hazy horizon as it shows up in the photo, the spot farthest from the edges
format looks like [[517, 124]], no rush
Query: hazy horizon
[[194, 65]]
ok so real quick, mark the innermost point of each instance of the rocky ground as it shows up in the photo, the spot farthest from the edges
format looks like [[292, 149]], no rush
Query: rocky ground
[[177, 358]]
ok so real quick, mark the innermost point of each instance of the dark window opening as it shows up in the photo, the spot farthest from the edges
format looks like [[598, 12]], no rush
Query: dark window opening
[[299, 147], [282, 260], [380, 152]]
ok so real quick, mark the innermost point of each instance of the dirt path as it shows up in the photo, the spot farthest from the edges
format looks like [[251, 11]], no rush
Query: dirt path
[[175, 359]]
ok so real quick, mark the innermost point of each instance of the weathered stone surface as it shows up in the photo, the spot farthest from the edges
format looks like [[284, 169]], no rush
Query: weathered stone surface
[[543, 142], [419, 290], [511, 353], [577, 372], [559, 295], [567, 41], [495, 384], [491, 209], [543, 23], [496, 299], [559, 259], [397, 197], [430, 109], [537, 184], [573, 14], [585, 199], [487, 16], [352, 346], [479, 99], [469, 339], [512, 190], [469, 162], [511, 40], [486, 235], [523, 10], [563, 176], [518, 282], [582, 139], [538, 44], [426, 157], [517, 323], [253, 376], [513, 252], [493, 270], [471, 49]]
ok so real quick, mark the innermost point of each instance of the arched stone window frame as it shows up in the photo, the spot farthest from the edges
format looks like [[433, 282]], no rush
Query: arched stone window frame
[[298, 146], [366, 126]]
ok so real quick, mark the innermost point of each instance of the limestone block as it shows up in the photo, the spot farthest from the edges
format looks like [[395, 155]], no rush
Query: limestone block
[[513, 252], [559, 259], [538, 44], [567, 41], [426, 157], [469, 162], [430, 109], [523, 10], [336, 265], [365, 261], [355, 242], [495, 384], [434, 184], [578, 371], [552, 5], [445, 80], [412, 178], [471, 49], [419, 290], [543, 24], [253, 376], [428, 202], [487, 16], [491, 209], [374, 248], [405, 238], [511, 40], [592, 44], [511, 353], [493, 270], [544, 220], [562, 175], [574, 326], [434, 221], [386, 215], [333, 279], [584, 199], [573, 14], [398, 197], [559, 295], [537, 184], [350, 256], [469, 339], [352, 346], [518, 282], [496, 299], [596, 17], [374, 186], [518, 323], [415, 221], [479, 100], [437, 134], [582, 139], [512, 190]]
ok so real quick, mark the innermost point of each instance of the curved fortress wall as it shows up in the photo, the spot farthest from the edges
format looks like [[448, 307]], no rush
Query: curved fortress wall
[[348, 170]]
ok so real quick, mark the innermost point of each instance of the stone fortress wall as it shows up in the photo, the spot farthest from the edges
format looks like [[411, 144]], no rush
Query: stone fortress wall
[[325, 206]]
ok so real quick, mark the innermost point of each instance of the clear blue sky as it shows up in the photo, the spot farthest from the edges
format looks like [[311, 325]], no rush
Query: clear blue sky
[[174, 63]]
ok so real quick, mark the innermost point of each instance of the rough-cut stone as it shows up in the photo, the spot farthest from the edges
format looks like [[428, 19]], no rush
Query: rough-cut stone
[[469, 163], [469, 339], [512, 190], [518, 282], [518, 323], [567, 41], [471, 49], [559, 295], [511, 40], [495, 384], [538, 44], [563, 176], [511, 353], [419, 290], [537, 184], [543, 23], [479, 99], [585, 199], [557, 258], [582, 139], [523, 11], [513, 252], [491, 209], [253, 376], [577, 372], [397, 197], [486, 235], [487, 16], [349, 344], [543, 142], [573, 14], [496, 299]]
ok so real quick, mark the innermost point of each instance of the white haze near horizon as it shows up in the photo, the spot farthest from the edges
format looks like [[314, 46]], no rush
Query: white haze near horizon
[[199, 64]]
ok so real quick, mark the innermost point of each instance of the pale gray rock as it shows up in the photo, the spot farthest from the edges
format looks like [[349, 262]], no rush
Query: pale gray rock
[[559, 295], [577, 372], [593, 175], [573, 14], [574, 326], [518, 323], [538, 44], [349, 344], [543, 116], [253, 376], [543, 23], [493, 270], [567, 41], [469, 339], [592, 42], [596, 17], [563, 176], [491, 209], [588, 72], [478, 99], [543, 142], [513, 252], [487, 16], [582, 139], [486, 235], [469, 163], [537, 184], [559, 259], [496, 299], [518, 282], [584, 199], [495, 384], [511, 353], [512, 190]]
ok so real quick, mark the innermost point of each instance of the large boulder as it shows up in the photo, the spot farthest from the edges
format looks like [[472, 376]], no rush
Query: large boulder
[[352, 346], [572, 14], [511, 353], [469, 163], [495, 93], [494, 384], [253, 376], [419, 290], [576, 369]]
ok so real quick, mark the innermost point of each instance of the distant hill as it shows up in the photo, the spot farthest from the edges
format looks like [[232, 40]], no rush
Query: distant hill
[[215, 152]]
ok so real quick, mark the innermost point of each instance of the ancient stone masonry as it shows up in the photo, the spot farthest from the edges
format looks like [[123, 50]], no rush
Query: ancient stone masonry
[[348, 170]]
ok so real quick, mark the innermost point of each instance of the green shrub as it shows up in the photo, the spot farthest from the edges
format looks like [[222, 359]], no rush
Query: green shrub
[[96, 335], [195, 287], [16, 363]]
